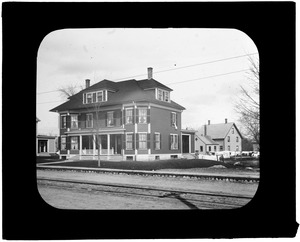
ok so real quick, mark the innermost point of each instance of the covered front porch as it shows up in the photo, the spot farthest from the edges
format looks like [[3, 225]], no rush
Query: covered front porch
[[90, 145]]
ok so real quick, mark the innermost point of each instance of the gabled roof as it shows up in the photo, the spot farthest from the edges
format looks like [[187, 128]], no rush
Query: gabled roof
[[207, 140], [218, 131], [120, 93]]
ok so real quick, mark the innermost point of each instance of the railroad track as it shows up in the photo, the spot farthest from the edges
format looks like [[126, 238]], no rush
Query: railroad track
[[192, 199]]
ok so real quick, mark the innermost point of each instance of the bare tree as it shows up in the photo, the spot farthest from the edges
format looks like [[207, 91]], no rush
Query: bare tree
[[69, 90], [248, 106]]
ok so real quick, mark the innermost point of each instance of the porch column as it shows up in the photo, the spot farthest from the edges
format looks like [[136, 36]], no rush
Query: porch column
[[80, 145], [94, 145], [108, 144]]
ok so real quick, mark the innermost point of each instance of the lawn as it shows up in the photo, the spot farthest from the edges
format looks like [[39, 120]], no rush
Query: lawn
[[149, 165]]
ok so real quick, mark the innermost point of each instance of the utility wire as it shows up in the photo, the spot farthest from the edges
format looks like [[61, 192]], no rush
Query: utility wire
[[206, 77], [200, 78], [178, 68]]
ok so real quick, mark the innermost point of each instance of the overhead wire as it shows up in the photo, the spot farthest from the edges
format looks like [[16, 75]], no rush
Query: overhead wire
[[172, 69]]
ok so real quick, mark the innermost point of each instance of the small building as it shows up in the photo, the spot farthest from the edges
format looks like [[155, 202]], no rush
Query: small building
[[206, 145], [222, 137], [46, 145]]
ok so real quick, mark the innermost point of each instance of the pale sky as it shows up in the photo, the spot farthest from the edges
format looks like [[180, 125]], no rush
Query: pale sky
[[204, 67]]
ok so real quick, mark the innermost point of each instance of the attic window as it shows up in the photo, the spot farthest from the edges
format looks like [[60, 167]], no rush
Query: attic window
[[162, 95], [95, 97]]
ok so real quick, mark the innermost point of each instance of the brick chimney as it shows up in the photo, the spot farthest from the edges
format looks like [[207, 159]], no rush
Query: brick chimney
[[205, 131], [87, 83], [150, 73], [225, 120], [208, 122]]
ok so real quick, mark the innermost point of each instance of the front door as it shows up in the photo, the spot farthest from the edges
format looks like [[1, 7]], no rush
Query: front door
[[185, 143]]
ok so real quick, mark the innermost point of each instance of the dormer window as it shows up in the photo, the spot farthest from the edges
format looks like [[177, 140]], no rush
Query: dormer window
[[162, 95], [95, 97]]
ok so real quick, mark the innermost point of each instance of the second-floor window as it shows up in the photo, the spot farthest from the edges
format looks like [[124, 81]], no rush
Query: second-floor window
[[237, 139], [74, 121], [228, 138], [174, 119], [110, 118], [174, 141], [89, 120], [142, 115], [63, 122], [129, 116]]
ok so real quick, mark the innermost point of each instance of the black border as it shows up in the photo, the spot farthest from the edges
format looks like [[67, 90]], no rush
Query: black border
[[271, 213]]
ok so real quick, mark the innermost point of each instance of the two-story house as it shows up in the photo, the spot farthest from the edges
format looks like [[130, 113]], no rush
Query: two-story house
[[218, 137], [126, 120]]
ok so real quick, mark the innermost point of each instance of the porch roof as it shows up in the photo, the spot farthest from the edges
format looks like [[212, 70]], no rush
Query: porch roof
[[91, 132]]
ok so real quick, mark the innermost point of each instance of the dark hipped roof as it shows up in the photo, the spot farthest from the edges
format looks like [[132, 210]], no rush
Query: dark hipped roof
[[122, 92], [151, 83]]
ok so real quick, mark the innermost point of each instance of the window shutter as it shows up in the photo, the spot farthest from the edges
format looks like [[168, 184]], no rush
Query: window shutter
[[154, 141], [94, 97], [68, 121], [59, 143], [105, 116], [68, 142], [171, 120], [114, 118], [123, 117], [178, 143], [137, 141], [170, 136], [148, 141], [160, 143], [177, 124], [148, 115], [136, 115]]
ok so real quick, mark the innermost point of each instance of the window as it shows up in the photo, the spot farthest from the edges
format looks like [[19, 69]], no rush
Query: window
[[215, 148], [143, 141], [129, 116], [233, 130], [74, 121], [110, 118], [89, 120], [89, 98], [157, 141], [228, 138], [174, 119], [63, 143], [163, 95], [174, 141], [94, 97], [228, 147], [209, 148], [201, 148], [237, 139], [74, 143], [221, 147], [237, 148], [63, 121], [142, 115], [129, 141]]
